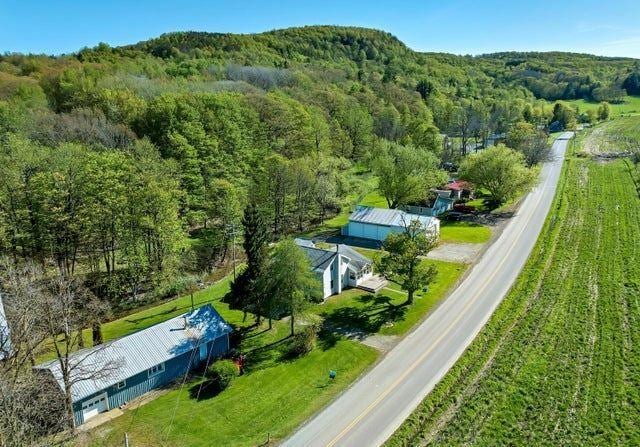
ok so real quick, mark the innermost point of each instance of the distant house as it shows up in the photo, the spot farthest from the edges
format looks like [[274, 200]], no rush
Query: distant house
[[495, 139], [141, 362], [556, 126], [340, 267], [441, 204], [5, 341], [458, 189], [377, 223]]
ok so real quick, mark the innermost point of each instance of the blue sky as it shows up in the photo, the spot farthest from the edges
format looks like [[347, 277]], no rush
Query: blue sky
[[609, 28]]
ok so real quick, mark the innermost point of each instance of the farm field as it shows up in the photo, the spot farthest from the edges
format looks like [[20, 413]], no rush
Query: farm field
[[558, 363], [611, 136]]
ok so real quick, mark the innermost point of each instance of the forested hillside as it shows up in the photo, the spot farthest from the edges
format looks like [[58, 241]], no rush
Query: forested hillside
[[130, 166]]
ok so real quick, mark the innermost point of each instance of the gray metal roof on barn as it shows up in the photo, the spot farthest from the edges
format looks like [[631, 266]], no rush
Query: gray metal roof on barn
[[388, 217], [130, 355]]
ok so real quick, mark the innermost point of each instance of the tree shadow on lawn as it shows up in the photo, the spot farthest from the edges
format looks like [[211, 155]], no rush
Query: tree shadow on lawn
[[358, 322], [204, 390], [154, 315], [173, 309], [262, 356]]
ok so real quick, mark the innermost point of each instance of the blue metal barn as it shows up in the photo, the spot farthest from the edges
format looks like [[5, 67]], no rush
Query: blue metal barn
[[110, 375]]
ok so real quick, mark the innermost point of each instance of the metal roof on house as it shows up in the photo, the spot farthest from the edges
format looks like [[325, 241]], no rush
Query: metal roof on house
[[130, 355], [355, 258], [457, 185], [389, 217], [320, 258]]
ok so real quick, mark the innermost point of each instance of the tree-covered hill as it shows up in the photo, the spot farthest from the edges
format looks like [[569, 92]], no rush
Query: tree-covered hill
[[168, 139]]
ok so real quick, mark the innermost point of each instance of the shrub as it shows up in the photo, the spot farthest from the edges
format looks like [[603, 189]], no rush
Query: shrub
[[304, 341], [222, 373]]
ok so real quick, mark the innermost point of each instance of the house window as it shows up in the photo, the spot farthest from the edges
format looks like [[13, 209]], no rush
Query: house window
[[352, 275], [121, 384], [331, 267], [332, 284], [155, 370]]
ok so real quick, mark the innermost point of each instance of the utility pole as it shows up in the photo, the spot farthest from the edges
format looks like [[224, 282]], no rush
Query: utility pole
[[231, 231], [126, 440]]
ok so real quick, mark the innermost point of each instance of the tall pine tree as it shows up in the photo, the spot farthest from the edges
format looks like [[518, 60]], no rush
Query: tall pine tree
[[256, 238]]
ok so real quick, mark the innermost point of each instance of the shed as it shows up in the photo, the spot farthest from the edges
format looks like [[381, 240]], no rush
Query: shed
[[441, 204], [377, 223], [110, 375]]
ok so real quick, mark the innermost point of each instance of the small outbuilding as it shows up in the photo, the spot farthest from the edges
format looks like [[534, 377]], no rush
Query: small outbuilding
[[459, 189], [110, 375], [377, 223], [439, 205]]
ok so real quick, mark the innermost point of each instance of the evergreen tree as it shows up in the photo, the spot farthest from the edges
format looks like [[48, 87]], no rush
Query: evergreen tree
[[243, 289]]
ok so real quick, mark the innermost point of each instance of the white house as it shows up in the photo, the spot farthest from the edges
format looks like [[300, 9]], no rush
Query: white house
[[340, 267], [377, 223]]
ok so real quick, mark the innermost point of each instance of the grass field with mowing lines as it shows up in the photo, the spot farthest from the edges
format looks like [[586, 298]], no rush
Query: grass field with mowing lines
[[468, 232], [559, 361]]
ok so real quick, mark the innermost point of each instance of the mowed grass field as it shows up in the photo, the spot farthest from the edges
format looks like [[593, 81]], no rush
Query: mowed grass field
[[466, 232], [559, 361], [631, 105]]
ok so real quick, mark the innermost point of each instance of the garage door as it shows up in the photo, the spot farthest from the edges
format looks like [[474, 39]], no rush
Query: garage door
[[93, 407]]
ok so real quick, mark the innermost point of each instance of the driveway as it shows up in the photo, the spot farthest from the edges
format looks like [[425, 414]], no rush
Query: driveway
[[462, 252]]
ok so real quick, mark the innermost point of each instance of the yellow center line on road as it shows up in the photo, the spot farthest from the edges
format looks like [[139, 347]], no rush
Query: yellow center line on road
[[415, 364]]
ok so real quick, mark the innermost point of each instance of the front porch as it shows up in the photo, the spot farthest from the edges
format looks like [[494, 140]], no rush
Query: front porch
[[373, 284]]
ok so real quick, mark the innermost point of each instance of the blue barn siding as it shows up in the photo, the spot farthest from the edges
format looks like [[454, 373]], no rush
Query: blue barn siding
[[141, 383], [370, 231]]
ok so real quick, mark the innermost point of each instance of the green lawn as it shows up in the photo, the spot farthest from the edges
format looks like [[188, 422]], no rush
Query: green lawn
[[374, 199], [630, 106], [468, 232], [274, 396], [270, 400], [386, 313]]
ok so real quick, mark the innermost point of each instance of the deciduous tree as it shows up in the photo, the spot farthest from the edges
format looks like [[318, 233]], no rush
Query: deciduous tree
[[288, 282], [500, 170], [405, 173], [403, 259]]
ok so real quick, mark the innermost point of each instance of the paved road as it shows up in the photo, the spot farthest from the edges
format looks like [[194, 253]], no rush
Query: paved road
[[375, 406]]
